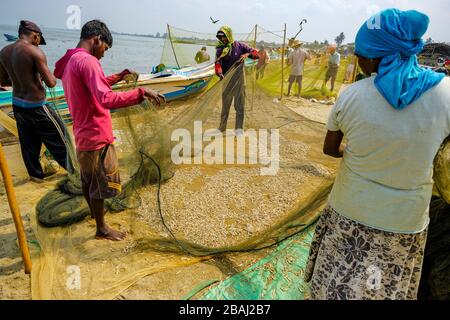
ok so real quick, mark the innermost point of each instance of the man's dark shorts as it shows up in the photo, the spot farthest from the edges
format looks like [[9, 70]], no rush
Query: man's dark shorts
[[332, 72], [298, 79], [100, 172]]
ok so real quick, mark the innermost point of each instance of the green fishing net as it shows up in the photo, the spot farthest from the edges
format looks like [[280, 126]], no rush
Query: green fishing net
[[442, 171], [213, 200]]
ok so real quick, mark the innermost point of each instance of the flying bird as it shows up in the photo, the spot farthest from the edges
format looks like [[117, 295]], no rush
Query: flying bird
[[214, 21]]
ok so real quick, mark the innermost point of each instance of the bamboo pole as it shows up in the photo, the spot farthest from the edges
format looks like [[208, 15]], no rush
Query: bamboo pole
[[254, 66], [282, 63], [173, 48], [15, 212]]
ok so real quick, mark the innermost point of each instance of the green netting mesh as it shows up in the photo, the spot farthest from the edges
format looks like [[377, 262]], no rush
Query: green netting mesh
[[181, 46], [279, 276], [314, 73], [442, 171], [216, 201]]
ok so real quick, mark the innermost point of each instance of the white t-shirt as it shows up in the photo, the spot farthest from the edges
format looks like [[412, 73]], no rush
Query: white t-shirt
[[386, 176], [297, 60]]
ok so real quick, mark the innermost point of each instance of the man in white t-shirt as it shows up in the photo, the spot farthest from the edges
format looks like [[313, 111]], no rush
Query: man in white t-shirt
[[334, 61], [297, 62]]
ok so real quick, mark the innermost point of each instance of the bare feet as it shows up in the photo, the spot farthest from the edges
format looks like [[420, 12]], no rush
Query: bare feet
[[110, 234]]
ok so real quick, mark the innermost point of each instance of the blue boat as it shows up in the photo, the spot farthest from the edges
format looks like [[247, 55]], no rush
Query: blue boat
[[172, 83], [10, 37]]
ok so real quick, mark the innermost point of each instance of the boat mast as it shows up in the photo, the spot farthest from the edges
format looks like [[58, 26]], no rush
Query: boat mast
[[173, 48]]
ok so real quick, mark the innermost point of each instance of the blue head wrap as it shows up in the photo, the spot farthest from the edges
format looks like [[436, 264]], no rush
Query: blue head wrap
[[395, 36]]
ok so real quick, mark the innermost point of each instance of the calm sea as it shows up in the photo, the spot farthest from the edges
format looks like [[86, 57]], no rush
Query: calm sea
[[128, 52]]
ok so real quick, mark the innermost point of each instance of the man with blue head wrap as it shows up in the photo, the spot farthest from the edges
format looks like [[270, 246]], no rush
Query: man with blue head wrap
[[370, 240]]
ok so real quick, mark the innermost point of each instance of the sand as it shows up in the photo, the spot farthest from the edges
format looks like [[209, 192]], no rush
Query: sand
[[14, 284]]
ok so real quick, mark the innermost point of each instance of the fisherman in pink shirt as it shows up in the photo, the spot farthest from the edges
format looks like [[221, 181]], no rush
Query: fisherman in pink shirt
[[90, 98]]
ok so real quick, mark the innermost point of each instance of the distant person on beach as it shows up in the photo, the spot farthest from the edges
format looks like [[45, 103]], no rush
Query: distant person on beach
[[90, 98], [349, 73], [297, 60], [202, 56], [23, 65], [230, 57], [369, 242], [263, 61], [334, 61]]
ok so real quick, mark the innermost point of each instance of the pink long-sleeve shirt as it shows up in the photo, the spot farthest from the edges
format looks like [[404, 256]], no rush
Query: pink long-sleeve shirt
[[90, 98]]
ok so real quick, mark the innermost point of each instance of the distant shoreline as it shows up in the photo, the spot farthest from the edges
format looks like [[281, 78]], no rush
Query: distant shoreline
[[157, 35]]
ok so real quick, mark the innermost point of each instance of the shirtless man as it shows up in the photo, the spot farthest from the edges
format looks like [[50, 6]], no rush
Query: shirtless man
[[24, 66]]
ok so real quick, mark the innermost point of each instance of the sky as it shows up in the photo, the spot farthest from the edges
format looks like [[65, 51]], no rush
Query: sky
[[326, 18]]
